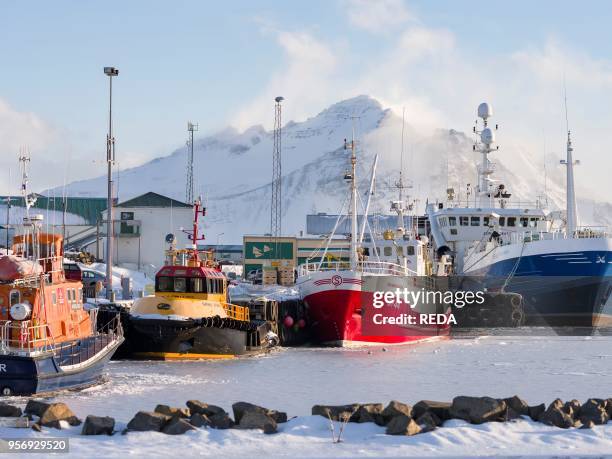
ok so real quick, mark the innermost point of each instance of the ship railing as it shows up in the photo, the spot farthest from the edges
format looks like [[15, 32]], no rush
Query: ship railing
[[236, 312], [25, 337], [366, 267], [519, 237]]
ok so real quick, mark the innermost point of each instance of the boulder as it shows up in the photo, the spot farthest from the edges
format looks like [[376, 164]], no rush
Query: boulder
[[36, 407], [594, 410], [572, 408], [196, 406], [478, 410], [220, 421], [609, 407], [369, 412], [57, 412], [36, 427], [257, 420], [96, 425], [587, 425], [518, 405], [440, 409], [241, 408], [199, 420], [336, 412], [174, 412], [428, 422], [556, 416], [402, 425], [147, 420], [177, 426], [395, 408], [9, 411], [536, 411]]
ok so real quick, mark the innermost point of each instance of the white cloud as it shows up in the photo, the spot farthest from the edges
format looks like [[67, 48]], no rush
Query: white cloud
[[377, 16], [303, 80]]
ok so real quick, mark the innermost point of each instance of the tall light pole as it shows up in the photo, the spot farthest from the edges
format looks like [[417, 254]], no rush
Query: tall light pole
[[110, 158]]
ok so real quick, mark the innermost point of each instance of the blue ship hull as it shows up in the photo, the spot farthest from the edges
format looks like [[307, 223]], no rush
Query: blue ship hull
[[75, 365], [558, 289]]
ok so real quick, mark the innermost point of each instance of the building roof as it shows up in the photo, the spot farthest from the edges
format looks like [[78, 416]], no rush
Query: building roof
[[152, 199], [89, 209]]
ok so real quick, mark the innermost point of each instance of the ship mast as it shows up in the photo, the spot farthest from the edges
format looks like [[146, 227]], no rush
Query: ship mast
[[485, 146], [572, 218], [353, 207]]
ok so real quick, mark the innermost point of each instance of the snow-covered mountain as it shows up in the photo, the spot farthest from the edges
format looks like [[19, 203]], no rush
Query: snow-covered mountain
[[232, 170]]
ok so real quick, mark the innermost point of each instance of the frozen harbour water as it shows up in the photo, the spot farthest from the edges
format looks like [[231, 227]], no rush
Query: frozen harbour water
[[539, 369]]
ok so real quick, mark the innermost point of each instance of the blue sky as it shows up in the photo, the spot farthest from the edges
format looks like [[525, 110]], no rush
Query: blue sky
[[220, 63]]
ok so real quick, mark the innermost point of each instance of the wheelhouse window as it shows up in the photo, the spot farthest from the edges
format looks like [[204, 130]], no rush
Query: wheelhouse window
[[464, 221], [511, 221], [486, 221], [165, 284], [502, 221], [475, 221], [387, 251], [410, 250], [197, 285], [452, 221], [524, 222], [533, 222], [15, 297], [180, 284]]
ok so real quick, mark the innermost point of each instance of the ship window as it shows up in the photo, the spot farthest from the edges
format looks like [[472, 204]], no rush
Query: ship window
[[410, 250], [452, 221], [442, 221], [502, 221], [475, 221], [454, 231], [81, 299], [180, 284], [511, 221], [15, 297], [533, 222], [464, 221], [54, 297], [196, 285], [387, 251], [485, 221], [165, 284], [524, 222]]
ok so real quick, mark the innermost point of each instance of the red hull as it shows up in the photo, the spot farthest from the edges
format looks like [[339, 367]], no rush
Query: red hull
[[335, 318]]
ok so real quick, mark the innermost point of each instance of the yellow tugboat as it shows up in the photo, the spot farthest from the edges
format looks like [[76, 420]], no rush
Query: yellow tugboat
[[189, 317]]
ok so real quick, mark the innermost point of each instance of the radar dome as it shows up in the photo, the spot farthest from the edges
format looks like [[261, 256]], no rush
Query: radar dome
[[485, 111], [487, 136]]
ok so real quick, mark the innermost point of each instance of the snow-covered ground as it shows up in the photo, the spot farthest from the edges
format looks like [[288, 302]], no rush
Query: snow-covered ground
[[539, 369], [140, 280]]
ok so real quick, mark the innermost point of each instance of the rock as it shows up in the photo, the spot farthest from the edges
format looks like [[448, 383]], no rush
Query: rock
[[254, 419], [336, 412], [510, 415], [177, 426], [478, 410], [555, 416], [395, 408], [402, 425], [10, 411], [36, 426], [95, 425], [196, 406], [174, 412], [594, 410], [428, 422], [369, 412], [536, 411], [609, 408], [518, 405], [220, 421], [241, 408], [572, 408], [36, 407], [440, 409], [57, 412], [146, 420], [587, 425], [199, 420]]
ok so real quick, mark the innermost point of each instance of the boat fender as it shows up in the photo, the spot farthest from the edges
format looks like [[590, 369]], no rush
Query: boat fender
[[216, 321], [515, 301]]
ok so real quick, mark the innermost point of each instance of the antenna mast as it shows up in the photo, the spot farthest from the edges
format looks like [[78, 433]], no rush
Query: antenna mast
[[276, 204], [189, 185]]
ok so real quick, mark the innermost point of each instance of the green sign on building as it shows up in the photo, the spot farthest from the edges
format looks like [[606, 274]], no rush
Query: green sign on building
[[266, 250]]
